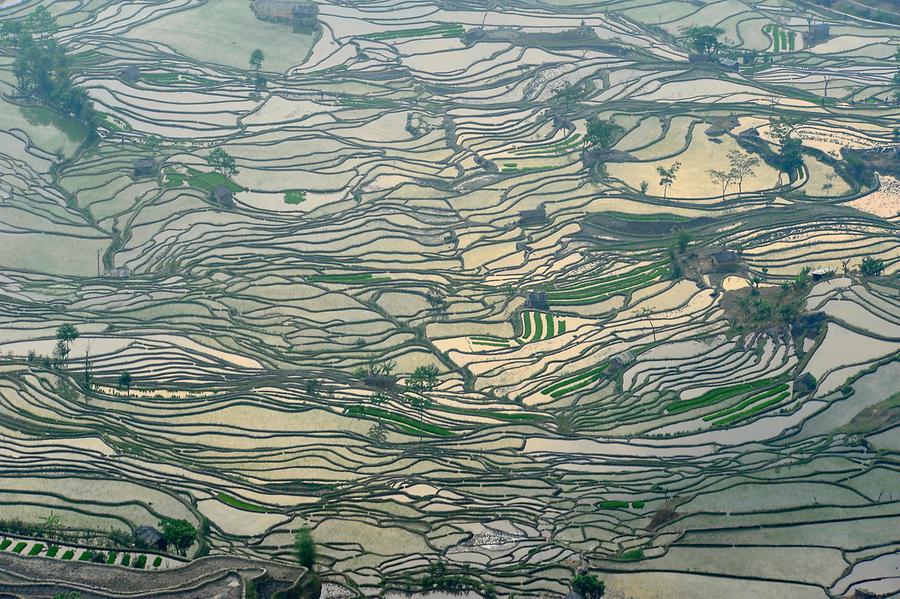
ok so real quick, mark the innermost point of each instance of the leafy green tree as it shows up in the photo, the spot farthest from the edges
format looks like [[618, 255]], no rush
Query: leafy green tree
[[125, 381], [683, 239], [703, 39], [423, 378], [720, 177], [871, 267], [178, 533], [222, 162], [589, 586], [644, 187], [568, 95], [65, 335], [742, 166], [305, 548], [601, 134], [667, 176], [256, 59], [153, 143]]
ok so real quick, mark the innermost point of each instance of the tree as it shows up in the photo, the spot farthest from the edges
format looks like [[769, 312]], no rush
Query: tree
[[871, 267], [683, 239], [256, 59], [790, 156], [305, 548], [152, 143], [65, 335], [125, 382], [222, 161], [41, 23], [423, 378], [667, 176], [589, 586], [742, 166], [179, 534], [601, 134], [722, 178], [568, 95], [704, 39], [644, 187]]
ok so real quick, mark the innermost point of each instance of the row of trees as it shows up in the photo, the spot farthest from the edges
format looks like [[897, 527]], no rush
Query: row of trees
[[42, 68]]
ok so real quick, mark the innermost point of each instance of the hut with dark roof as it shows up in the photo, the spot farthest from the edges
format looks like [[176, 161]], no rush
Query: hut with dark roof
[[144, 166], [149, 537], [131, 73], [223, 197]]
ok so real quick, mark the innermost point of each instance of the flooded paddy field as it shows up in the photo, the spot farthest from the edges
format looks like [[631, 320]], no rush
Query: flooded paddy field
[[491, 295]]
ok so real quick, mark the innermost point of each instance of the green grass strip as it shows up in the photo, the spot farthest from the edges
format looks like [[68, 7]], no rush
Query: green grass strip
[[754, 410], [126, 559], [613, 505], [140, 562], [575, 383], [68, 554], [111, 558], [35, 549], [444, 30], [6, 543], [714, 396], [240, 504], [751, 400], [157, 561], [526, 326], [549, 332], [538, 327], [410, 423], [53, 550], [509, 416], [363, 277], [19, 547]]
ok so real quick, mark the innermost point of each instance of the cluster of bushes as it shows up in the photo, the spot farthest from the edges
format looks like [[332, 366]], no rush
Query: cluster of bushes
[[42, 68]]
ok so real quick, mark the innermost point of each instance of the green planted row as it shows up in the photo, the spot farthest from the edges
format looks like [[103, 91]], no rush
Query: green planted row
[[747, 402], [445, 30], [759, 407], [715, 396], [240, 504], [407, 423], [574, 383], [363, 277]]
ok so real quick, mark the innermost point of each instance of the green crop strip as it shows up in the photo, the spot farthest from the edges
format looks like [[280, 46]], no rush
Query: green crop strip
[[35, 549], [410, 424], [751, 400], [240, 504], [19, 547], [661, 216], [445, 30], [509, 416], [68, 554], [52, 551], [364, 277], [759, 407], [6, 543], [613, 505], [574, 383], [715, 396], [294, 196]]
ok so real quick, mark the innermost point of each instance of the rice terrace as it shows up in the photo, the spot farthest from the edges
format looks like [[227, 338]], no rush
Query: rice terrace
[[449, 298]]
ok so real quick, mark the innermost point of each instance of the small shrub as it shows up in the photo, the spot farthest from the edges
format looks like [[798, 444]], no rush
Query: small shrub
[[157, 561], [637, 504], [68, 554], [126, 559], [53, 550], [19, 547], [140, 562], [86, 556], [111, 557], [35, 549]]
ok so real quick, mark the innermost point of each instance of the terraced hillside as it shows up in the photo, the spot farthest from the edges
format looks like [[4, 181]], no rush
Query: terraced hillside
[[493, 292]]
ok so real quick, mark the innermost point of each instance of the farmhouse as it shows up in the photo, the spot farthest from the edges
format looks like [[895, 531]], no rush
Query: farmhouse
[[537, 216], [131, 73], [621, 361], [730, 64], [301, 14], [144, 166], [818, 32], [723, 260], [222, 196], [115, 272], [537, 300], [805, 385], [150, 537]]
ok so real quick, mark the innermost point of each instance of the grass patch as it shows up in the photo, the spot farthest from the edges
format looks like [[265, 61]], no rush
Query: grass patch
[[209, 181], [140, 562], [35, 549], [364, 277], [240, 504], [759, 407], [632, 555], [613, 505], [126, 559], [86, 556], [882, 415], [444, 30], [747, 402], [68, 554], [19, 547], [294, 196], [661, 216], [407, 423], [111, 558], [715, 396], [157, 561], [6, 543], [574, 383], [53, 550]]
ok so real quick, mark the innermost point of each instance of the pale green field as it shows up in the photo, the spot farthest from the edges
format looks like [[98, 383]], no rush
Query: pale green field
[[226, 32]]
